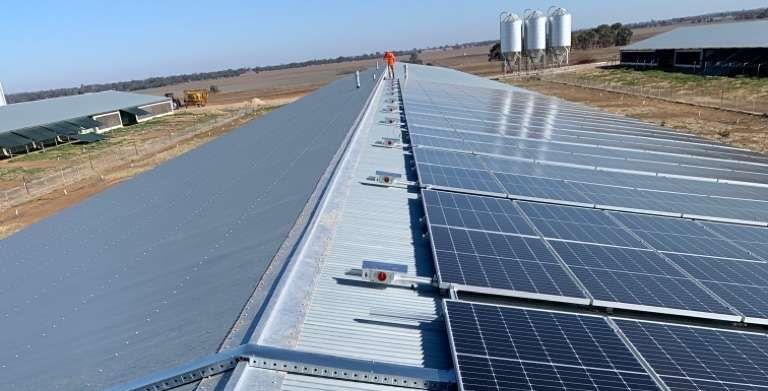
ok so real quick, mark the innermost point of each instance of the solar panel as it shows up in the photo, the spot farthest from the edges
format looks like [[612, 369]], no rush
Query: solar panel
[[697, 358], [474, 212], [442, 157], [506, 348], [512, 265], [458, 178], [438, 142], [615, 258], [753, 239], [680, 236], [646, 292], [533, 187], [742, 284], [578, 224]]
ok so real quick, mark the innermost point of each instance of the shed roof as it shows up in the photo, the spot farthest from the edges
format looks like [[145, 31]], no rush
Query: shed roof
[[725, 35], [42, 112]]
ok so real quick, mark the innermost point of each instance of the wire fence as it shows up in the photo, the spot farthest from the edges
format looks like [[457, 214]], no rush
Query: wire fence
[[716, 97], [89, 167]]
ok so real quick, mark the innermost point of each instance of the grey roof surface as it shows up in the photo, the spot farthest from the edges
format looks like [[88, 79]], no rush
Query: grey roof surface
[[726, 35], [153, 272], [41, 112]]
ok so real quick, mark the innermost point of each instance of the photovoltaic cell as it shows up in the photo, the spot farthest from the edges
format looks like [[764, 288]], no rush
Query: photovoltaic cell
[[504, 348], [474, 212], [697, 358], [492, 260]]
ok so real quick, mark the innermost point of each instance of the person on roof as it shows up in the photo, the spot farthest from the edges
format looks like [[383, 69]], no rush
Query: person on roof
[[389, 58]]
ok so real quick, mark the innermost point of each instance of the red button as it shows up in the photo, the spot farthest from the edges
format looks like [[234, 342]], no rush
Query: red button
[[381, 276]]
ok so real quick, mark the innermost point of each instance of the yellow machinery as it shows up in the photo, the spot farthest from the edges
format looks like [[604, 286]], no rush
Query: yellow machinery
[[197, 98]]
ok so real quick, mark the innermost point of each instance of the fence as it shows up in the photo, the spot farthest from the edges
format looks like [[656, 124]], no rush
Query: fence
[[88, 167], [705, 96]]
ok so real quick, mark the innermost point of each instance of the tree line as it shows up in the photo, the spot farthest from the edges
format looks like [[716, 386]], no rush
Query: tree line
[[725, 16], [602, 36]]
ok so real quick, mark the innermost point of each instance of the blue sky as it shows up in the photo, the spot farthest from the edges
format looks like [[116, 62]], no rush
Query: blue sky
[[48, 44]]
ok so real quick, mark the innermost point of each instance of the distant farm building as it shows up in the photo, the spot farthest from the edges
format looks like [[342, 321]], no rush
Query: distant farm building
[[33, 125], [715, 49]]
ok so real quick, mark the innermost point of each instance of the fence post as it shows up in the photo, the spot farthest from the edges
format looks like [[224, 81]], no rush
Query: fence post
[[24, 179], [722, 96]]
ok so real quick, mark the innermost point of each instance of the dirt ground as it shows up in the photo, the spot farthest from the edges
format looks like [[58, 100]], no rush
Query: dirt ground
[[742, 130], [475, 60], [268, 84]]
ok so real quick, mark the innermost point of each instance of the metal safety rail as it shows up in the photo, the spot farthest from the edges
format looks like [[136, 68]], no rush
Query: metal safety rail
[[298, 362]]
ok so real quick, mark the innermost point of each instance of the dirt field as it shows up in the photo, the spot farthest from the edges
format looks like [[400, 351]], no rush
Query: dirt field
[[475, 60], [285, 83], [743, 130]]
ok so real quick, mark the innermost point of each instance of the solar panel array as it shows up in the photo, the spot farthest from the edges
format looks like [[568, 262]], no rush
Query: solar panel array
[[531, 147], [534, 198], [512, 348]]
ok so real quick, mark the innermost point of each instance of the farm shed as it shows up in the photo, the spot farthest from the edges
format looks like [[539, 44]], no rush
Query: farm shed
[[716, 49], [31, 125]]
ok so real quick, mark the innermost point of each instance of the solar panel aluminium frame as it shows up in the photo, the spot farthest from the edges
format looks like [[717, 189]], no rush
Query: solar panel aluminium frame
[[454, 287]]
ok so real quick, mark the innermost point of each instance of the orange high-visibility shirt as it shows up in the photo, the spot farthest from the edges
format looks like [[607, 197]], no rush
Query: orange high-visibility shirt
[[390, 57]]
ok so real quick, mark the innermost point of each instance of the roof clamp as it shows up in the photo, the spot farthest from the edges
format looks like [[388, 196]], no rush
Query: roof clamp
[[387, 179], [392, 121], [388, 274], [390, 109], [388, 142]]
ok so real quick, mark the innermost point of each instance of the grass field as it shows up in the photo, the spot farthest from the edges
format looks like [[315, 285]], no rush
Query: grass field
[[744, 93], [658, 78]]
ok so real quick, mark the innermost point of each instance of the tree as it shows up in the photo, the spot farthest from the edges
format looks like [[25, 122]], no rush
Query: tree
[[213, 89], [494, 54], [414, 58], [623, 36]]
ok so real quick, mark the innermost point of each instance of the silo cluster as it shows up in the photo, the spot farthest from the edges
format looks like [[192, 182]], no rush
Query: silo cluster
[[535, 38]]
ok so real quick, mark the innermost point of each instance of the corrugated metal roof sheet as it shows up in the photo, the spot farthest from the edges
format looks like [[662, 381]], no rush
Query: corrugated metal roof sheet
[[308, 383], [41, 112], [726, 35]]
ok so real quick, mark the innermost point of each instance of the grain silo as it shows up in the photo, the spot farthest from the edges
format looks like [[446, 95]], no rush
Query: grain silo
[[511, 38], [559, 35], [535, 34]]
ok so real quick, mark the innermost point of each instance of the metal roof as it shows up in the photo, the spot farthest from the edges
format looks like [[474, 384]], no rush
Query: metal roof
[[711, 36], [40, 112], [153, 272], [317, 311]]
